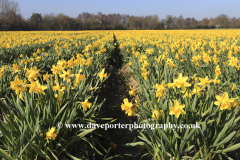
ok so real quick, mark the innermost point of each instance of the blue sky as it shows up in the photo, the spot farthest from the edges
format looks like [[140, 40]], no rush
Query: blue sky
[[188, 8]]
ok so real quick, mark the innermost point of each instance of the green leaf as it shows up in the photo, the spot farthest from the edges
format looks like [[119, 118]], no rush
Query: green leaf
[[187, 135], [5, 155], [209, 110], [223, 131], [197, 154], [59, 113], [236, 121], [79, 136], [85, 139], [225, 139], [20, 139], [232, 148], [146, 140], [187, 150], [194, 103], [52, 153], [39, 151], [5, 132], [164, 150], [133, 144], [176, 135], [165, 137]]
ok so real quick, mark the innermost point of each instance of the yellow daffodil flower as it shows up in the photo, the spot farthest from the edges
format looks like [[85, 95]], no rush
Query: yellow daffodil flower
[[50, 134], [177, 109]]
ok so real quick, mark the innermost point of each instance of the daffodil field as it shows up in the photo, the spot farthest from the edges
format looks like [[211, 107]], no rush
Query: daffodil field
[[52, 78], [183, 77]]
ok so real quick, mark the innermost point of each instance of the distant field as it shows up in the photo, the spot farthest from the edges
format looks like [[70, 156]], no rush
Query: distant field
[[181, 77]]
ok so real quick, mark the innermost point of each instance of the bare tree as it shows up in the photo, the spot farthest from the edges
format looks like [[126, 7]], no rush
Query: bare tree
[[49, 21], [4, 5], [174, 21], [10, 19], [211, 22], [187, 22], [63, 21], [180, 21], [9, 15], [205, 22], [155, 21], [234, 22], [169, 21], [194, 23], [14, 7], [223, 20]]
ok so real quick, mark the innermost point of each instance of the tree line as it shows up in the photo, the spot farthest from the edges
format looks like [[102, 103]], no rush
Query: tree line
[[11, 20]]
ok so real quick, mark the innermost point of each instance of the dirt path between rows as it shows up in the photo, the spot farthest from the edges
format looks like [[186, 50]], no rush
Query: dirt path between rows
[[121, 89]]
